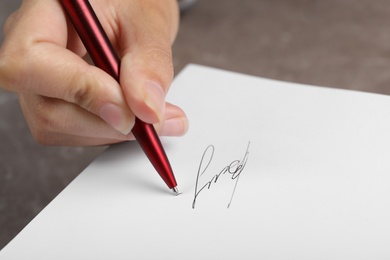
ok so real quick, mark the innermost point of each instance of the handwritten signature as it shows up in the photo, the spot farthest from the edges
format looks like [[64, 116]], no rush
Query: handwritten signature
[[234, 169]]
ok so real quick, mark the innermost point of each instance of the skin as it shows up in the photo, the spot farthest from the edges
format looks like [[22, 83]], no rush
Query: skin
[[68, 101]]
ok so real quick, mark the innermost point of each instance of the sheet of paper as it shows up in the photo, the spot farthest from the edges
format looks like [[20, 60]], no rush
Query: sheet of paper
[[268, 170]]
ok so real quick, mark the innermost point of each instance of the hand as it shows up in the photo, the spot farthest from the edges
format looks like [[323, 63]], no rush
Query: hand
[[67, 101]]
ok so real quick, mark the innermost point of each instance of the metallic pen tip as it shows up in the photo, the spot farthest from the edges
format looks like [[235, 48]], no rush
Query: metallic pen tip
[[176, 191]]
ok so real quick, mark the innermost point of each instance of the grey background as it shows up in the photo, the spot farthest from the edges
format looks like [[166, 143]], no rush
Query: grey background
[[334, 43]]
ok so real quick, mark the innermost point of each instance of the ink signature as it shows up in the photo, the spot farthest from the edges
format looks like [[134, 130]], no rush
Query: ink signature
[[234, 169]]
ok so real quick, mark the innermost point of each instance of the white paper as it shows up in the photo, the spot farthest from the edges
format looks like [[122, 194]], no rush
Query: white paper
[[310, 179]]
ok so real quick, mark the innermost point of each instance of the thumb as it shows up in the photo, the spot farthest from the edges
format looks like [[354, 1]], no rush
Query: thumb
[[146, 68], [145, 80]]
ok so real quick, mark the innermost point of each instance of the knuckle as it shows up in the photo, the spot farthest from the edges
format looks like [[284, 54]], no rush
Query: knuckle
[[82, 90], [8, 24], [7, 66], [39, 130], [82, 94], [44, 138], [14, 57], [43, 121], [41, 137], [13, 68], [48, 119]]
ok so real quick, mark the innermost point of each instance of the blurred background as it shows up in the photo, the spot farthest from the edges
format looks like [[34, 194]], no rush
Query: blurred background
[[334, 43]]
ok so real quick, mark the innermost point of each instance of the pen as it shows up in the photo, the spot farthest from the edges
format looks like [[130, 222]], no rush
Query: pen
[[103, 55]]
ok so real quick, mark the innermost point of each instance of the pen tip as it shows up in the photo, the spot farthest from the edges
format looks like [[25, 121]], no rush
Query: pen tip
[[176, 191]]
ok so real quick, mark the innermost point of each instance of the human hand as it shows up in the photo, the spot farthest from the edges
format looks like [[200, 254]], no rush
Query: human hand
[[65, 100]]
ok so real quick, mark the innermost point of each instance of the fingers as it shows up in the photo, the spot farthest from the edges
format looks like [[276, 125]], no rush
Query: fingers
[[57, 122], [37, 62], [51, 71], [72, 140], [147, 70], [58, 116]]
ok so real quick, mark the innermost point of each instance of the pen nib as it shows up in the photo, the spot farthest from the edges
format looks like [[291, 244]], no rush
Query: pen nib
[[176, 191]]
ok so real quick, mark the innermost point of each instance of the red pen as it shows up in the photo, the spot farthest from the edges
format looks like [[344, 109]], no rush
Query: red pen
[[104, 56]]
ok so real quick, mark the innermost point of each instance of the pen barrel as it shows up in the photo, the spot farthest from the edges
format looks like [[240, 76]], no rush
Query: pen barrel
[[152, 147], [93, 36], [103, 55]]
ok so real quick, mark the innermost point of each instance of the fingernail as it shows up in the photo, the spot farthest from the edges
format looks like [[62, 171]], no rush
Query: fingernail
[[115, 117], [155, 98], [176, 126]]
